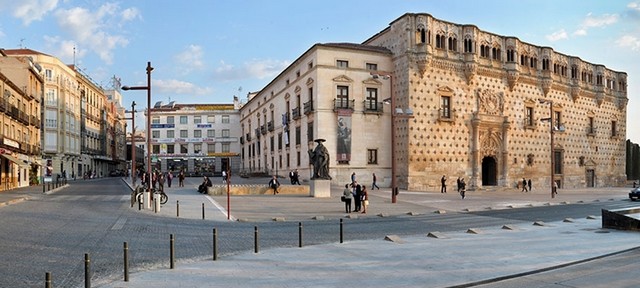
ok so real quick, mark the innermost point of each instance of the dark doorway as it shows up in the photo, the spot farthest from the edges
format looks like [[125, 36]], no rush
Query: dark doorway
[[591, 178], [489, 169], [225, 164]]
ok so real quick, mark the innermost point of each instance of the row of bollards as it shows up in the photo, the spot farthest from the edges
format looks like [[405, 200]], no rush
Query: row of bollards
[[178, 209], [48, 186], [87, 259]]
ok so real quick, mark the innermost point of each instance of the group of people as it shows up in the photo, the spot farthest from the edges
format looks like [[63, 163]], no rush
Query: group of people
[[526, 184], [359, 195], [158, 178], [460, 185], [294, 177]]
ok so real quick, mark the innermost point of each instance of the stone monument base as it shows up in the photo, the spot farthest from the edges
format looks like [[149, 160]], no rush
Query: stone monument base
[[320, 188]]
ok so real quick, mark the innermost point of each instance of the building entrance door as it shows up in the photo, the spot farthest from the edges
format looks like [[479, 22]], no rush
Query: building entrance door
[[591, 178], [489, 171]]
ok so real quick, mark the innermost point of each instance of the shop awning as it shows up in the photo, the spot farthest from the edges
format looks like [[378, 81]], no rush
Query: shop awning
[[15, 160]]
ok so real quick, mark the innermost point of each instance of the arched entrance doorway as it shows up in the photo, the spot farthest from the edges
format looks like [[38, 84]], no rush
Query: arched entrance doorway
[[489, 171]]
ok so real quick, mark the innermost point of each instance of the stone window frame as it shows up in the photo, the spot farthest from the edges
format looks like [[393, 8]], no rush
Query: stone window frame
[[449, 114], [530, 122], [372, 156]]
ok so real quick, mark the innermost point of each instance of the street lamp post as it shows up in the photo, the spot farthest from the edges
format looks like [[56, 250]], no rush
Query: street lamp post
[[133, 143], [551, 132], [393, 132], [148, 88]]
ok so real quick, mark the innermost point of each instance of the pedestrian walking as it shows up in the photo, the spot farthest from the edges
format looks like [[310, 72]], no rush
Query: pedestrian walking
[[463, 188], [224, 176], [181, 178], [458, 184], [555, 188], [529, 184], [365, 199], [346, 198], [296, 177], [443, 182], [169, 178], [524, 185], [274, 184], [374, 185], [353, 177], [291, 177]]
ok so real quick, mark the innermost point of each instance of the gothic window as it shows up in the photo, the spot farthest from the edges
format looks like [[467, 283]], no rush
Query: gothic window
[[496, 53], [453, 44], [440, 41], [511, 55], [468, 46]]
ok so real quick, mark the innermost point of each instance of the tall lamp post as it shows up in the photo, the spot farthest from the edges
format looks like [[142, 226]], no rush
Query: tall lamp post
[[551, 132], [395, 113], [133, 142], [148, 88]]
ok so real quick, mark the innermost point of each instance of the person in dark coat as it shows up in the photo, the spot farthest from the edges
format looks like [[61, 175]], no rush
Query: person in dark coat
[[274, 184], [206, 182]]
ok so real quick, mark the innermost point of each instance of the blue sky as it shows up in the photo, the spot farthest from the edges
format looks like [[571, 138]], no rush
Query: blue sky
[[207, 51]]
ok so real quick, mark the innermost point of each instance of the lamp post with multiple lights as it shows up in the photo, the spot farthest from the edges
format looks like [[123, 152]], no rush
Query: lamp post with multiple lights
[[395, 113], [551, 132], [148, 88]]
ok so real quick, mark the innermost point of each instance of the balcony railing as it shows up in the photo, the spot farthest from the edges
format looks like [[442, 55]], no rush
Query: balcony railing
[[308, 107], [340, 103], [591, 131], [373, 107], [295, 113], [270, 125], [263, 129], [445, 114]]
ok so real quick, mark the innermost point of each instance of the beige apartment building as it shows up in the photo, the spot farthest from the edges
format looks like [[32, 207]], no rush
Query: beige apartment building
[[487, 108], [21, 84], [81, 128]]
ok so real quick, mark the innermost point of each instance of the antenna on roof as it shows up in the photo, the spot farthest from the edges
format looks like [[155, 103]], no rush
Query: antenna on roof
[[21, 45], [74, 55]]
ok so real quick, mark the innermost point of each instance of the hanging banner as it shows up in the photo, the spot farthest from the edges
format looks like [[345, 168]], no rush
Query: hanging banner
[[344, 135]]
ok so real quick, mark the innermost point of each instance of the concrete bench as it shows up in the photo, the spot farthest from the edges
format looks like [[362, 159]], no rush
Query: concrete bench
[[218, 190]]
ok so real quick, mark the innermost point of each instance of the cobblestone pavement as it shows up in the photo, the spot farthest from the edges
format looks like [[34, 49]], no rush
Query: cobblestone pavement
[[94, 216]]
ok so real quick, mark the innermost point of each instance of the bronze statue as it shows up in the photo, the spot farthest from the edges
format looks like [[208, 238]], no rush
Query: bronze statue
[[320, 160]]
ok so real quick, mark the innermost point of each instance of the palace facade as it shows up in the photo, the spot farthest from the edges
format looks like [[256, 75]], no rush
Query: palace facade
[[488, 108]]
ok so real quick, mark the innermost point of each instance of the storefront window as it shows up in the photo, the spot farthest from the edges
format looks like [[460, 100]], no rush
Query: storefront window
[[204, 166], [176, 165]]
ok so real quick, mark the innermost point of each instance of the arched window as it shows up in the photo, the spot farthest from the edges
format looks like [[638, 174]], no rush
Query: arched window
[[468, 46]]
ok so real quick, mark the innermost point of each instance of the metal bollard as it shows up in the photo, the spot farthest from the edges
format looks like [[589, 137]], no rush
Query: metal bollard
[[172, 252], [44, 188], [394, 194], [126, 262], [255, 239], [87, 271], [47, 280], [299, 234], [341, 231], [202, 211], [215, 244], [178, 208]]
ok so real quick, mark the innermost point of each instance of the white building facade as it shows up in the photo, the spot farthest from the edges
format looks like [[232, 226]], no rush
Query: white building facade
[[199, 139]]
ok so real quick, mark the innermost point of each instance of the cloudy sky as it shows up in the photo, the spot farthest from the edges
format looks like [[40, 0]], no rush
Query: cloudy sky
[[207, 51]]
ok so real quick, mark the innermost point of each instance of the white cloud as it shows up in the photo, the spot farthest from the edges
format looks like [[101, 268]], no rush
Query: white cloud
[[130, 14], [591, 21], [629, 41], [173, 86], [634, 6], [190, 59], [558, 35], [64, 49], [91, 29], [256, 68], [32, 10]]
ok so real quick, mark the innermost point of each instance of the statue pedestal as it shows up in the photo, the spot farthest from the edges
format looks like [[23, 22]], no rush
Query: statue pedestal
[[320, 188]]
